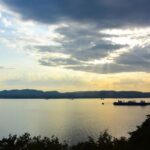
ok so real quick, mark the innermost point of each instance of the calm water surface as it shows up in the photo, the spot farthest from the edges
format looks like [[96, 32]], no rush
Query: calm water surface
[[70, 120]]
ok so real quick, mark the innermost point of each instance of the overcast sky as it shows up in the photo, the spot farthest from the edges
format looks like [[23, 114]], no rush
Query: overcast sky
[[73, 45]]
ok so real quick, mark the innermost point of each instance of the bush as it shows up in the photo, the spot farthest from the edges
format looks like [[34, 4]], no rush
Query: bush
[[138, 140]]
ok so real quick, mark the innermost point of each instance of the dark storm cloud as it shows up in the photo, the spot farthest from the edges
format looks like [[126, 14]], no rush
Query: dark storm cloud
[[110, 68], [91, 46], [82, 40], [138, 57], [85, 42], [81, 43], [76, 51], [104, 12], [58, 62], [137, 60], [105, 68]]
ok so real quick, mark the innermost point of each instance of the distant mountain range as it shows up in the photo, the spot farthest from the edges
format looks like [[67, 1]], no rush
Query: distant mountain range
[[36, 94]]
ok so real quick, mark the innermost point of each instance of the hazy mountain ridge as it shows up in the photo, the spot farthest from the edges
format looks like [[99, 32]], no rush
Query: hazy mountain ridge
[[29, 93]]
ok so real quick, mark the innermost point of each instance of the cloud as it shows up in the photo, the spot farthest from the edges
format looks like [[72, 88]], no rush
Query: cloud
[[80, 45], [6, 22], [112, 59], [1, 67], [106, 13], [99, 52], [49, 83], [139, 58], [136, 60], [58, 62], [104, 68]]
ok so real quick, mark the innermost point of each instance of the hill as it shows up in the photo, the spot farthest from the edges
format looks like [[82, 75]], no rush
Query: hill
[[29, 93]]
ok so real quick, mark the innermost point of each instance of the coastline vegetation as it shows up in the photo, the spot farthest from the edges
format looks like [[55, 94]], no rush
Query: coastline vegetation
[[138, 140]]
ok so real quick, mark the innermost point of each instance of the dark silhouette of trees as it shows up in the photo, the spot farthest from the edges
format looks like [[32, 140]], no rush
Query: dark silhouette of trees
[[104, 142], [138, 140], [26, 142]]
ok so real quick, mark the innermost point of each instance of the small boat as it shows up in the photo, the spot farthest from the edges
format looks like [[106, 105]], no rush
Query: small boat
[[131, 103]]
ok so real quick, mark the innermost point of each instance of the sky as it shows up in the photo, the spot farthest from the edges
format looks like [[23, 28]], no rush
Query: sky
[[75, 45]]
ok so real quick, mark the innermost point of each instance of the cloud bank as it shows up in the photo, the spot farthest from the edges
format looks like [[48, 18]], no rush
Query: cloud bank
[[106, 13], [99, 36]]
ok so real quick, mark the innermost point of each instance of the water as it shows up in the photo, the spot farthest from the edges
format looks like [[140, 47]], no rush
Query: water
[[70, 120]]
